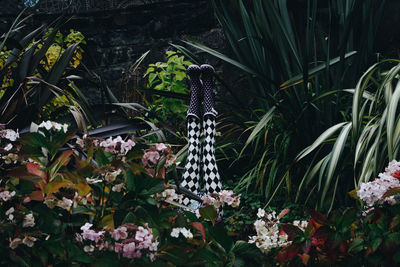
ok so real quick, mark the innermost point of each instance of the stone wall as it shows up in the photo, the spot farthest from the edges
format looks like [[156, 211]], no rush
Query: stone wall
[[119, 32]]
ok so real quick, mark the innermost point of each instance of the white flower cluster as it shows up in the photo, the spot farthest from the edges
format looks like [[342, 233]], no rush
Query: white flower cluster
[[371, 193], [9, 134], [221, 198], [6, 195], [302, 225], [48, 125], [28, 241], [268, 235], [168, 195], [65, 203], [12, 136], [181, 230]]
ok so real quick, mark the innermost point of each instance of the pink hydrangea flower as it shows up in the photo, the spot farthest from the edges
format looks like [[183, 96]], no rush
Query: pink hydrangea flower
[[161, 147], [152, 156], [119, 233], [118, 247]]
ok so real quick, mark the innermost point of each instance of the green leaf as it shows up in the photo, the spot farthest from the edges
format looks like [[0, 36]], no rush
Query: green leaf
[[298, 78], [376, 243], [357, 245], [129, 218], [101, 158], [130, 180], [208, 213], [322, 138], [152, 186], [220, 236]]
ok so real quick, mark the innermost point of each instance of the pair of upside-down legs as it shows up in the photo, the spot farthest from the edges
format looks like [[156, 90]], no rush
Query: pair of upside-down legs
[[201, 167]]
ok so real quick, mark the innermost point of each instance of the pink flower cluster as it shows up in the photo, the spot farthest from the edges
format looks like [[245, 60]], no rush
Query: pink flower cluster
[[372, 192], [129, 240], [156, 152], [117, 145], [221, 198], [113, 145]]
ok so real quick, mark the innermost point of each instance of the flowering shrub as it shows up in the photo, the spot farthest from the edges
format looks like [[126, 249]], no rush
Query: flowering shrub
[[111, 203], [376, 192], [268, 232], [369, 236]]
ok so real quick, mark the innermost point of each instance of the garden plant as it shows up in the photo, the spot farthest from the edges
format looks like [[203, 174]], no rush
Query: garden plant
[[307, 140]]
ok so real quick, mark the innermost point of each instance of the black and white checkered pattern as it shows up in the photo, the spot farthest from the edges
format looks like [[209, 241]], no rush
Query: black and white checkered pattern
[[191, 175], [210, 170]]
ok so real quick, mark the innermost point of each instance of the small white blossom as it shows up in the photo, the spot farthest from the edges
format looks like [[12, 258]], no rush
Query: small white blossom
[[185, 232], [88, 249], [86, 227], [111, 176], [8, 147], [9, 134], [6, 195], [9, 213], [65, 203], [260, 213], [29, 221], [15, 242], [29, 241], [93, 180], [118, 187]]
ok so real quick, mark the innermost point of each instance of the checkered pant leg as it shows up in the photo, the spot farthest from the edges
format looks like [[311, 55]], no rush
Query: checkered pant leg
[[191, 175], [210, 170]]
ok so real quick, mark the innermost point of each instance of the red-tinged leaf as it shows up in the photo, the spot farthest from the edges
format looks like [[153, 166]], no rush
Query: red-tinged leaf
[[65, 157], [283, 213], [396, 174], [22, 173], [36, 195], [288, 253], [200, 227], [392, 192], [395, 222], [35, 170], [304, 258], [320, 236], [344, 247], [291, 230], [62, 160], [318, 217], [54, 186], [315, 224], [353, 194], [310, 229]]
